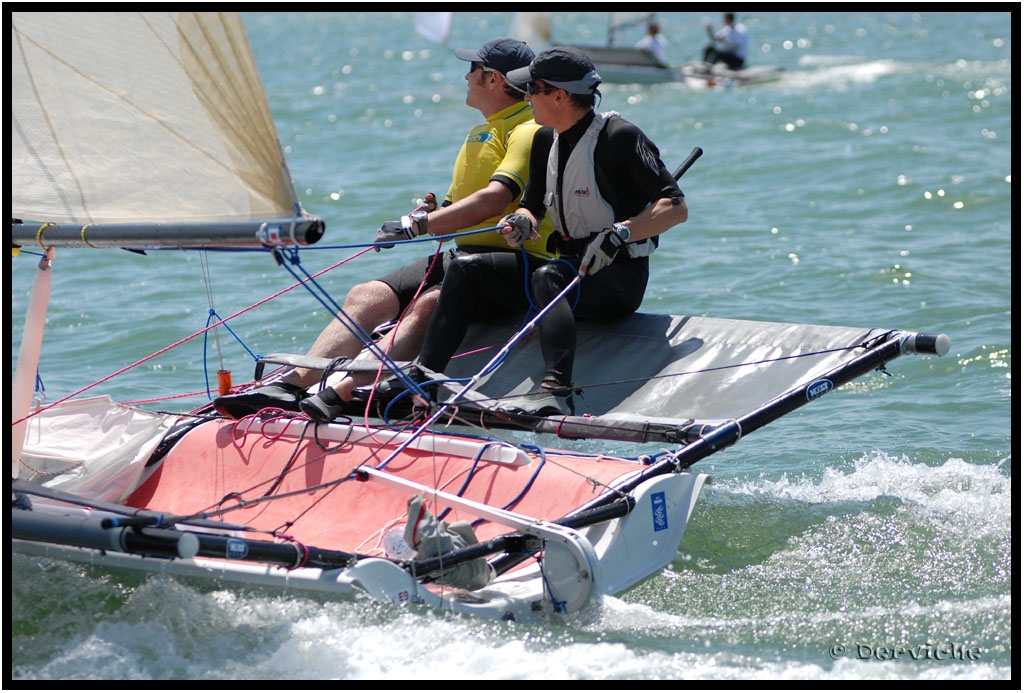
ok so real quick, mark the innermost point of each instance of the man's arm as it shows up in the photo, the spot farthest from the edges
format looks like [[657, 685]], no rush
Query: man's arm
[[653, 220], [484, 204], [536, 186]]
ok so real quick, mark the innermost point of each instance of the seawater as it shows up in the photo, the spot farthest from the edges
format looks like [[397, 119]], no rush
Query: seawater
[[865, 536]]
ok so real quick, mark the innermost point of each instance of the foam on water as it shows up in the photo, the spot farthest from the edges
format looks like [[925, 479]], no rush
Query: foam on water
[[973, 496], [871, 554]]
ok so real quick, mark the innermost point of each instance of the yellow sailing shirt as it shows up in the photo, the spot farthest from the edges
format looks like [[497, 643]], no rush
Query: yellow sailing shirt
[[495, 150]]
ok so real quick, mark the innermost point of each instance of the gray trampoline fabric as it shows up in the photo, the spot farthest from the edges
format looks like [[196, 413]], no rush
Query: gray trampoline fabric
[[667, 369]]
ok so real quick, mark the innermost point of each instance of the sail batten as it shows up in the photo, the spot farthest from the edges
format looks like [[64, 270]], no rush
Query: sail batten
[[169, 121]]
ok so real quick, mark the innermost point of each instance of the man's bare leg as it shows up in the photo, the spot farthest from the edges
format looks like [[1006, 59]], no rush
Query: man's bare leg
[[367, 305], [403, 343]]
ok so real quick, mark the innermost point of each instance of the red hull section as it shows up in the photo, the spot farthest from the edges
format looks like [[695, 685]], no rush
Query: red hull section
[[290, 485]]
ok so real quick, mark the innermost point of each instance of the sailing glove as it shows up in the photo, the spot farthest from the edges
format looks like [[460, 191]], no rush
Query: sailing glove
[[518, 228], [406, 229], [603, 249]]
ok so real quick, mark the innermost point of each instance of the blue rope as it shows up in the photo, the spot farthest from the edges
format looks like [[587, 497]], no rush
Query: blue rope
[[351, 325], [291, 256], [206, 366], [559, 605], [526, 284], [532, 307], [386, 418]]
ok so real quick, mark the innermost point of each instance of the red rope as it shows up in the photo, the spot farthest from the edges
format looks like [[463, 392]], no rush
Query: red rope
[[192, 336], [394, 331]]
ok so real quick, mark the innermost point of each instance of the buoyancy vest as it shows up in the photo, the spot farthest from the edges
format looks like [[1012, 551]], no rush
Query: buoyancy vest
[[579, 215]]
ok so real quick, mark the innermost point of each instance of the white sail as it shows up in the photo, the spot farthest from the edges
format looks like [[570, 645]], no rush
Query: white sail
[[434, 26], [135, 116]]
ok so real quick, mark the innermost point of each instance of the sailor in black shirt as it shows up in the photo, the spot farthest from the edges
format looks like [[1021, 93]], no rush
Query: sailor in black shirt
[[609, 196]]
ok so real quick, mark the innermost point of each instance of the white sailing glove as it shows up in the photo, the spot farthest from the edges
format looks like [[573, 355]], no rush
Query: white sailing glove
[[518, 228], [406, 229], [602, 250]]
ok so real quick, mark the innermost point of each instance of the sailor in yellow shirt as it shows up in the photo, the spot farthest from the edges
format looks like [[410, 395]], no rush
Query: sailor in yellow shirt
[[488, 180], [495, 150]]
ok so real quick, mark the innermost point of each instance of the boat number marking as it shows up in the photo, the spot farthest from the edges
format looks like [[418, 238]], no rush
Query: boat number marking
[[659, 511], [236, 548], [818, 388]]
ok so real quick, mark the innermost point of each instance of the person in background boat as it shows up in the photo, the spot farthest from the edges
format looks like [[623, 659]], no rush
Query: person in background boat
[[488, 178], [654, 43], [729, 44], [603, 184]]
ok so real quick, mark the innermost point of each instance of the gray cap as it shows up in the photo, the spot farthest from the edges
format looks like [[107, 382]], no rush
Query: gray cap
[[564, 67], [501, 54]]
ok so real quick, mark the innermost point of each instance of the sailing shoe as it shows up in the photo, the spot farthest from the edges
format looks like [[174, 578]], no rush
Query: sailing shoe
[[556, 388], [323, 407], [277, 396], [543, 402]]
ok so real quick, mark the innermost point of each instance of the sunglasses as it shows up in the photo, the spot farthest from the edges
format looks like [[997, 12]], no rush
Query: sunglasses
[[474, 66], [533, 88]]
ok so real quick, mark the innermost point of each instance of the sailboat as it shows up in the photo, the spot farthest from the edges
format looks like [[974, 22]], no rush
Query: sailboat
[[461, 506], [621, 63], [615, 63]]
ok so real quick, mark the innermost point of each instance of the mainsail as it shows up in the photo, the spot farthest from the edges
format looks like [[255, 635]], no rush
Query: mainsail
[[139, 130], [169, 126]]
